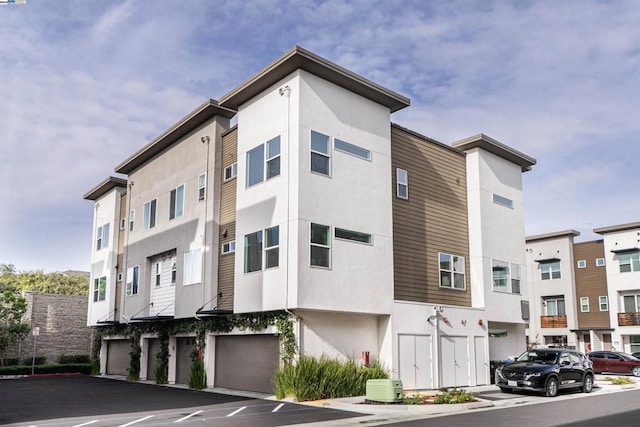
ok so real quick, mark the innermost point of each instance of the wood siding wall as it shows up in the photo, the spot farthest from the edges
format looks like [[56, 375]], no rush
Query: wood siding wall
[[591, 282], [226, 262], [432, 220]]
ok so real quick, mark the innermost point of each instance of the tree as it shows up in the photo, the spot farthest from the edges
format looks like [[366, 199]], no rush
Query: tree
[[12, 330], [44, 283]]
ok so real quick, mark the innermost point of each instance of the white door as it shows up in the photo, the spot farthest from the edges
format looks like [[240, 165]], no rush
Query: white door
[[481, 361], [454, 361], [415, 364]]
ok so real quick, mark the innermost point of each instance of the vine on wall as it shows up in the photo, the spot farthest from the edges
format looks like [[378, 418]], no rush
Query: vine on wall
[[162, 358]]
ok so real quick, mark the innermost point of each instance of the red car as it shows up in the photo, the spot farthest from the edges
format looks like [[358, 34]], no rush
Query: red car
[[614, 362]]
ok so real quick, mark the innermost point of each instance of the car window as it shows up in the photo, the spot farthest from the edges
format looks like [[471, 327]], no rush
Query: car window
[[575, 358], [545, 357], [564, 358], [596, 356], [613, 356]]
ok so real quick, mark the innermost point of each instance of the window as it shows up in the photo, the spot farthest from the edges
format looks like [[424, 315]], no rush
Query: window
[[451, 271], [582, 263], [354, 236], [192, 267], [599, 262], [149, 215], [272, 247], [255, 165], [634, 340], [629, 262], [584, 304], [100, 289], [550, 270], [273, 157], [554, 306], [231, 172], [133, 275], [631, 303], [320, 245], [174, 270], [123, 223], [119, 277], [176, 202], [515, 279], [604, 303], [402, 186], [320, 156], [500, 271], [132, 218], [102, 237], [157, 274], [352, 149], [229, 247], [503, 201], [202, 186], [253, 252]]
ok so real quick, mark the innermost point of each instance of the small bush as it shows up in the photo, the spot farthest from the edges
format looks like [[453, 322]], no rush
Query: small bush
[[82, 368], [324, 378], [454, 395], [619, 380], [74, 358], [11, 361], [39, 360]]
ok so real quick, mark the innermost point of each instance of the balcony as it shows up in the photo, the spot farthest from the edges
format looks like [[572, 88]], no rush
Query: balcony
[[628, 319], [553, 321]]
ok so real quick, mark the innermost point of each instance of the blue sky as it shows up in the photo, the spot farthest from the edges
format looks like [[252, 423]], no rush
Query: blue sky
[[84, 84]]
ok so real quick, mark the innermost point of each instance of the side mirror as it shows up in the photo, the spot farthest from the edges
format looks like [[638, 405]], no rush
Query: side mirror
[[565, 363]]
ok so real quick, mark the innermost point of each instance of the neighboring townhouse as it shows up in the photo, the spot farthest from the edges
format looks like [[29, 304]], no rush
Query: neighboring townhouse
[[315, 205], [622, 259]]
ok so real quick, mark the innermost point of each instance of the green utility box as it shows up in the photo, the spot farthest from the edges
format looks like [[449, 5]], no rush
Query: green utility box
[[387, 391]]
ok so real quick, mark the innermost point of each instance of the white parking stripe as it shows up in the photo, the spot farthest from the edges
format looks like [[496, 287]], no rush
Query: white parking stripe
[[236, 411], [86, 424], [187, 417], [277, 408], [137, 421]]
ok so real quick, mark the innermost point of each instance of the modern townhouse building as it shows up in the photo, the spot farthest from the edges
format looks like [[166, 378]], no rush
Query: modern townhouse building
[[378, 241]]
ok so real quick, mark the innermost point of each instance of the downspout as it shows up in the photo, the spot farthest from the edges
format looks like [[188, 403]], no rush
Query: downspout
[[126, 250], [205, 140]]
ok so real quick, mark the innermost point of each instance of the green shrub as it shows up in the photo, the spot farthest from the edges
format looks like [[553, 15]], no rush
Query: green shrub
[[39, 360], [619, 380], [12, 361], [455, 395], [74, 358], [324, 378], [82, 368]]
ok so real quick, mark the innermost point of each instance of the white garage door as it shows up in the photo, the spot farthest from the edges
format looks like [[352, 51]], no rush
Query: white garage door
[[415, 366], [455, 361], [247, 362]]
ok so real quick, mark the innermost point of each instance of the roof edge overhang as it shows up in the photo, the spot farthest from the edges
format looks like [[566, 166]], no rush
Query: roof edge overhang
[[425, 138], [299, 58], [554, 235], [496, 147], [214, 312], [614, 228], [104, 187], [151, 318], [547, 260], [625, 250], [187, 124]]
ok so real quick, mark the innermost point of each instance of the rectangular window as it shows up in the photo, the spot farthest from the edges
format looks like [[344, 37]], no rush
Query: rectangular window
[[255, 165], [123, 223], [273, 157], [253, 252], [100, 289], [272, 247], [629, 262], [584, 304], [452, 273], [149, 215], [176, 202], [503, 201], [554, 307], [402, 186], [229, 247], [231, 172], [631, 303], [550, 270], [582, 263], [500, 271], [604, 303], [133, 275], [157, 274], [354, 236], [515, 279], [320, 156], [599, 262], [102, 240], [351, 149], [192, 267], [174, 270], [320, 245], [132, 218], [202, 186]]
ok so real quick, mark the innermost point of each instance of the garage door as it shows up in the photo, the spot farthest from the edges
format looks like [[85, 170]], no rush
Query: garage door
[[455, 361], [118, 357], [152, 352], [247, 362], [415, 365], [184, 347]]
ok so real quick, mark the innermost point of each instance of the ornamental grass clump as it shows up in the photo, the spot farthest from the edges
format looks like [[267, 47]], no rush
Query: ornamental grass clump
[[455, 395]]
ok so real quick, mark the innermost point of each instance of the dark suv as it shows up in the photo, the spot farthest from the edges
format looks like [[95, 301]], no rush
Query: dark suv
[[547, 371]]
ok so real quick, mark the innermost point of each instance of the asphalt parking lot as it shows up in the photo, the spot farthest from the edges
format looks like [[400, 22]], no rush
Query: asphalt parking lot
[[103, 400]]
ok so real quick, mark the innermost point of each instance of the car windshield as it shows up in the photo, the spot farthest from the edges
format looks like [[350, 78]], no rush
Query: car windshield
[[544, 357], [628, 357]]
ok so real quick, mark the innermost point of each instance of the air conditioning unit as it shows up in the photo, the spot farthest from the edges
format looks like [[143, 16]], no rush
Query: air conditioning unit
[[386, 391]]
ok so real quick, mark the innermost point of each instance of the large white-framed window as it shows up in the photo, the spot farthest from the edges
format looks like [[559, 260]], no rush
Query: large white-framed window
[[402, 183], [452, 273], [263, 162], [629, 262], [500, 273], [272, 247], [228, 247], [320, 245], [202, 186], [554, 306], [230, 172], [550, 270], [99, 289], [176, 202], [133, 277], [132, 219], [255, 165], [149, 214], [267, 241], [354, 236], [192, 267], [352, 149], [174, 270], [631, 303], [603, 301], [273, 157], [102, 237], [253, 252], [157, 273], [320, 153], [584, 304]]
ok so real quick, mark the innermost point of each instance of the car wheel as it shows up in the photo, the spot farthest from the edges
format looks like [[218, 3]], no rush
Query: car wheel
[[551, 390], [587, 385], [636, 371], [505, 390]]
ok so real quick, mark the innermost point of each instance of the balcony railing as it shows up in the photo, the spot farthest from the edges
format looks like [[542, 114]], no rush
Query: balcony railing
[[553, 321], [628, 319]]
